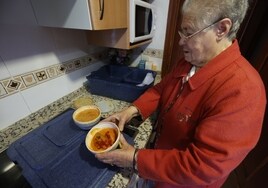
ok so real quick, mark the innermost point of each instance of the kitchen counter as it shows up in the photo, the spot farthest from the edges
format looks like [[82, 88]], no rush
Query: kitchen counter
[[36, 119]]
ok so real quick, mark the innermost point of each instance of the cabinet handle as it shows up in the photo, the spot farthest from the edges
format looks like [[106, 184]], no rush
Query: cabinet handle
[[101, 4]]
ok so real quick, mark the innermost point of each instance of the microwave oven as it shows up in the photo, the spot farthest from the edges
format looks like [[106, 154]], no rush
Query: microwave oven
[[142, 17]]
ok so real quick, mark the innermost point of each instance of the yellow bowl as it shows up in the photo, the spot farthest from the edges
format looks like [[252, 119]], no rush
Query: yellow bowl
[[103, 137], [87, 116]]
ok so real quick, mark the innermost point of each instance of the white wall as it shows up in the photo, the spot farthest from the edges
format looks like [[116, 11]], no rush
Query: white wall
[[153, 53], [26, 47], [161, 22]]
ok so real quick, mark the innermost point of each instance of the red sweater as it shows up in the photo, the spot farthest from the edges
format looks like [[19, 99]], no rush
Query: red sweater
[[212, 126]]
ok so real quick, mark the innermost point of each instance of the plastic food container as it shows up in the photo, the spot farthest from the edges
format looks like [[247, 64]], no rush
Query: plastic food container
[[118, 82]]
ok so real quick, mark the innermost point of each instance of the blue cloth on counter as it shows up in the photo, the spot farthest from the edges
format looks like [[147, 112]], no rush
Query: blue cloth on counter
[[55, 155]]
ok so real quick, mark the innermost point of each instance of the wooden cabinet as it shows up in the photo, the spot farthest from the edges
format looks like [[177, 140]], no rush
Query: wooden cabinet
[[108, 14], [114, 38], [81, 14], [106, 21]]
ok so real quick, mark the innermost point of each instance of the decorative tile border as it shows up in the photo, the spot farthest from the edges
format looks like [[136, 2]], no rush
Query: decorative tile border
[[24, 81], [12, 85], [157, 53]]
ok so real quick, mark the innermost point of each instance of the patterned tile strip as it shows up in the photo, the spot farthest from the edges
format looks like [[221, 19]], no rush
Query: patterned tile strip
[[153, 53], [24, 81]]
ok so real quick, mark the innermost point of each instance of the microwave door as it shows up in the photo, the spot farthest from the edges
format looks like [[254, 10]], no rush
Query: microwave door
[[141, 21]]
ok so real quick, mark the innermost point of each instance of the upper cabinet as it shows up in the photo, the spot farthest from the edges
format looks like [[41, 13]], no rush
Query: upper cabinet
[[123, 24], [141, 26], [81, 14], [114, 38]]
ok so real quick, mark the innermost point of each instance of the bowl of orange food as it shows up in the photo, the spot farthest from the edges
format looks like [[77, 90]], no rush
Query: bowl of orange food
[[86, 116], [103, 137]]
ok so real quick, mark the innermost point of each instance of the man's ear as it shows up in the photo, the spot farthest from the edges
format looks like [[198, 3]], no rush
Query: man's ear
[[223, 28]]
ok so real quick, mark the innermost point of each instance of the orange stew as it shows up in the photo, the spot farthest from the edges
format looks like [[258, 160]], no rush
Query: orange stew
[[104, 139], [87, 115]]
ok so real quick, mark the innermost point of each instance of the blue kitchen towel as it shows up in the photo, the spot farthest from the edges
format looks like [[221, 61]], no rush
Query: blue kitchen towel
[[67, 128], [79, 168], [55, 155], [40, 147]]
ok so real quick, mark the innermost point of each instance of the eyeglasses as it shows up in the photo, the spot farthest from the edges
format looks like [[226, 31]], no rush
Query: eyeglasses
[[183, 36]]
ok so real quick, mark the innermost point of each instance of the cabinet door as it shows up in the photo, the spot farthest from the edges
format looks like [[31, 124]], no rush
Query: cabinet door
[[114, 38], [108, 14]]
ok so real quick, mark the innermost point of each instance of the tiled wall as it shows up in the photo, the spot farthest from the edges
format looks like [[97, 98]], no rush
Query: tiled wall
[[27, 92], [16, 83], [152, 56], [39, 65], [156, 53]]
